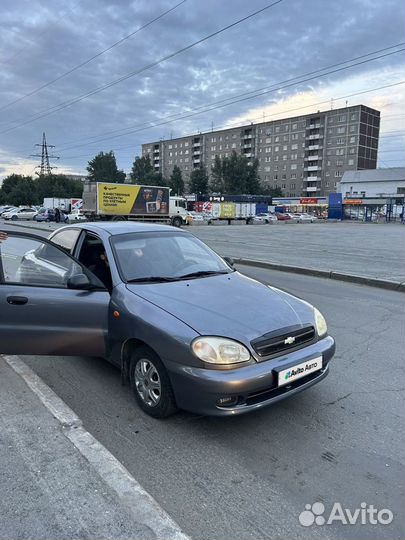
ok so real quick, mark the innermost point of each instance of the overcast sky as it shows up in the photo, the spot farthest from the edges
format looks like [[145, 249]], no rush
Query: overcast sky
[[40, 41]]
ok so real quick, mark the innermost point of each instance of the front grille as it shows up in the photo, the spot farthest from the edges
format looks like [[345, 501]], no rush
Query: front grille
[[283, 340]]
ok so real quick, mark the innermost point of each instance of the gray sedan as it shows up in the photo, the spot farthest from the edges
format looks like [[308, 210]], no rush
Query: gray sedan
[[186, 330]]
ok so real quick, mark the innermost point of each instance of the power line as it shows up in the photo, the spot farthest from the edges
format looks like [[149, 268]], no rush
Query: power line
[[78, 66], [194, 112], [65, 104], [257, 90]]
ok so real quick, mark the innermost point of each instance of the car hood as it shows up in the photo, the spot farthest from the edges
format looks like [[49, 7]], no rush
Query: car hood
[[231, 305]]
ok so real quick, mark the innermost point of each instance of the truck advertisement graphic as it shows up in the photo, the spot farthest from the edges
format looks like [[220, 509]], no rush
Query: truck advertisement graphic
[[123, 199]]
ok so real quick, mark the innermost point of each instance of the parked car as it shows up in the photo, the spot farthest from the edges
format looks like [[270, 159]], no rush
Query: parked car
[[305, 218], [197, 217], [179, 322], [4, 209], [283, 216], [265, 217], [76, 215], [20, 213], [45, 214]]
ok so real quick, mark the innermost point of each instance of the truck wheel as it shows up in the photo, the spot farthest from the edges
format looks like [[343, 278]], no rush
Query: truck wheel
[[118, 218], [177, 221], [249, 221], [151, 384]]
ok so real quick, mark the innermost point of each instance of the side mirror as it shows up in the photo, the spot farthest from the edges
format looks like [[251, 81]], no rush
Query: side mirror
[[229, 261], [78, 281]]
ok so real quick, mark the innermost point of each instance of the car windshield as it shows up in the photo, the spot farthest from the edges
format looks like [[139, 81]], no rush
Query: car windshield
[[164, 256]]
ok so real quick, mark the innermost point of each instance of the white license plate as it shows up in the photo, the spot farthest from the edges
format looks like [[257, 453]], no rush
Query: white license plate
[[291, 374]]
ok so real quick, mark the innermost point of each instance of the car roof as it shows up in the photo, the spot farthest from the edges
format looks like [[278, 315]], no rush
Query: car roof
[[122, 227]]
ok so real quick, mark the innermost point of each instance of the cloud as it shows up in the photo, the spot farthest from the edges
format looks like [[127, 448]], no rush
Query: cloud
[[39, 42]]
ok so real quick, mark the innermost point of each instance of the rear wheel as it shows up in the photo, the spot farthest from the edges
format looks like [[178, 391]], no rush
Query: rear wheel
[[118, 218], [14, 218], [150, 384]]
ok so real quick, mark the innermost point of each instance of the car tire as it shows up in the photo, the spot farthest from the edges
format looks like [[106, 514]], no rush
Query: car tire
[[150, 384], [14, 218]]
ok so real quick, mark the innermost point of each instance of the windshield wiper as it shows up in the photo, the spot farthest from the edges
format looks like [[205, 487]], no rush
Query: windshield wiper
[[152, 279], [203, 273]]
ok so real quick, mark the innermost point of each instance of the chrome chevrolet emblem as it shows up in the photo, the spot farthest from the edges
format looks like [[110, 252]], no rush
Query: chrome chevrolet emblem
[[289, 341]]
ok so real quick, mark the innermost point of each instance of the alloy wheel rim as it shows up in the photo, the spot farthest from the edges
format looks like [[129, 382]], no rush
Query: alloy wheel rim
[[147, 382]]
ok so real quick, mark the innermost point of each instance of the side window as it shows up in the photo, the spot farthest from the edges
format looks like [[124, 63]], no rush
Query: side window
[[66, 239], [24, 261]]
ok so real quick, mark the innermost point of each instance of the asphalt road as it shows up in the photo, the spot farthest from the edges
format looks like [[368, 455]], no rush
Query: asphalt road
[[365, 249], [251, 476]]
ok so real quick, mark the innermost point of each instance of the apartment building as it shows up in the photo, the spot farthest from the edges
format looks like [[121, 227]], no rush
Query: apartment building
[[303, 155]]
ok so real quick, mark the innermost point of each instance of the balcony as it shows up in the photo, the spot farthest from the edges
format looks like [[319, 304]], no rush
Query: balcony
[[246, 136], [196, 160], [156, 151], [313, 168], [313, 137], [314, 147], [313, 126], [196, 152], [249, 145], [196, 145], [312, 179], [313, 158], [248, 154], [311, 189]]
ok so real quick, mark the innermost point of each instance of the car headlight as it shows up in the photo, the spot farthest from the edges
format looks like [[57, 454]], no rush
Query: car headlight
[[321, 326], [216, 350]]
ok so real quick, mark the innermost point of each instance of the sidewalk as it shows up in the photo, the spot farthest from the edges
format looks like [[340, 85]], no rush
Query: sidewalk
[[59, 482]]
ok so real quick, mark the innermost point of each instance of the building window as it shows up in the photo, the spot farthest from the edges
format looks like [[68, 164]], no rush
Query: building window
[[340, 152], [326, 184], [213, 148], [341, 130], [340, 141], [268, 131], [277, 129], [287, 127], [286, 138], [342, 118], [353, 116], [293, 166], [352, 140], [233, 145], [350, 162], [213, 139], [276, 139], [339, 163], [276, 167], [267, 169], [186, 151], [284, 167], [267, 159], [294, 147], [294, 126], [170, 154], [276, 148], [268, 150], [294, 156], [170, 146], [293, 177], [294, 136], [275, 177], [352, 150], [283, 186], [186, 144], [285, 148], [352, 129], [284, 157], [338, 174], [268, 140]]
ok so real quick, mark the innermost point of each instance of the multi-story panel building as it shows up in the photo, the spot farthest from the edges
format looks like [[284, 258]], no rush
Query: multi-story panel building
[[304, 155]]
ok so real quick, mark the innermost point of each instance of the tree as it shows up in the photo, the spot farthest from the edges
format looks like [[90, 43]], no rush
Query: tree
[[18, 189], [176, 181], [235, 175], [103, 168], [141, 167], [199, 180], [154, 178], [217, 183], [272, 191]]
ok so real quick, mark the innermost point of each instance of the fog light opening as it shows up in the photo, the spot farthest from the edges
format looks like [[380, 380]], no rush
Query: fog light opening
[[227, 401]]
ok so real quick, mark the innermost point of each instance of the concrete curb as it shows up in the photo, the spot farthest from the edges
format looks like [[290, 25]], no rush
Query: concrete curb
[[131, 494], [330, 274]]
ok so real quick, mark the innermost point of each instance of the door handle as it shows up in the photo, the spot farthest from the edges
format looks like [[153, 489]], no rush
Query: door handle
[[17, 300]]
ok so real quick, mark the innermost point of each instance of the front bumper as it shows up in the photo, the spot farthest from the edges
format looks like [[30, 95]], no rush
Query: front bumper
[[252, 387]]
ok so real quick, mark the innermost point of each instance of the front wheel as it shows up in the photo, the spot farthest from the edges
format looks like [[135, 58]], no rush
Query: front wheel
[[177, 221], [151, 384], [14, 218]]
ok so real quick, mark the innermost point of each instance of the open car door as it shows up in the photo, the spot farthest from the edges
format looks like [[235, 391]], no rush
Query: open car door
[[49, 303]]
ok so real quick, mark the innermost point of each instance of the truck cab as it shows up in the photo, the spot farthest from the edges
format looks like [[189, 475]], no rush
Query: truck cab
[[177, 208]]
